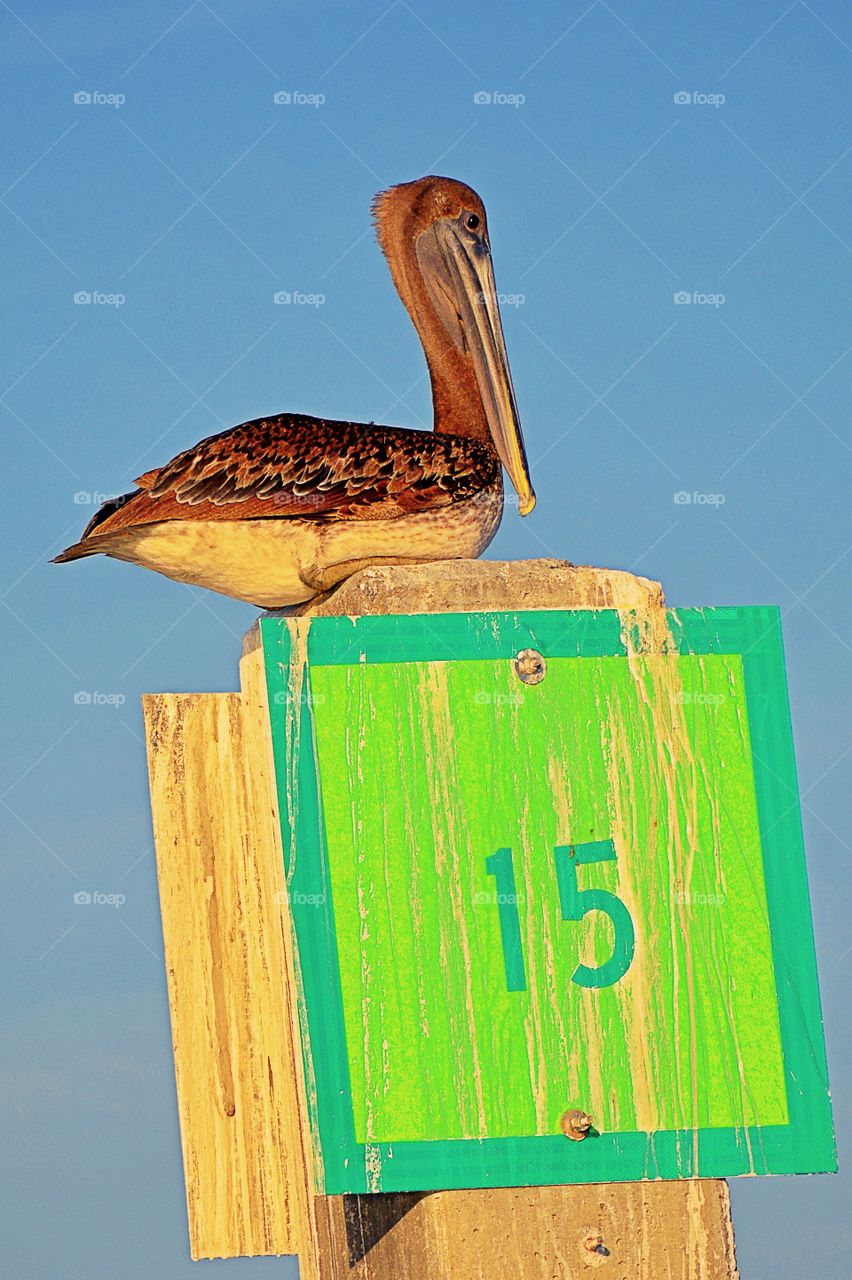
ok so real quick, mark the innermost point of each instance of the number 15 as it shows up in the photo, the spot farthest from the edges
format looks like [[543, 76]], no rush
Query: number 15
[[575, 903]]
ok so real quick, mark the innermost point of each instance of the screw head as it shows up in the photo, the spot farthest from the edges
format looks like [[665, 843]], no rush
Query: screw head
[[576, 1124], [594, 1243], [530, 666]]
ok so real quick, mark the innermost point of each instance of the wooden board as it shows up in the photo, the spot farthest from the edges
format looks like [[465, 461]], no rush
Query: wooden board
[[222, 901]]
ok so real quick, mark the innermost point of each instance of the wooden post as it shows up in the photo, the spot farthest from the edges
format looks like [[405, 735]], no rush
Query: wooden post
[[232, 976]]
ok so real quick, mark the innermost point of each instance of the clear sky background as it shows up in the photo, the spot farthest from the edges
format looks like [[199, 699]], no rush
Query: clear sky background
[[191, 202]]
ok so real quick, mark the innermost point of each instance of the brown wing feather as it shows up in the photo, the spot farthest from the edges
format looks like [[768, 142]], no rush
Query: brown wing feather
[[298, 466]]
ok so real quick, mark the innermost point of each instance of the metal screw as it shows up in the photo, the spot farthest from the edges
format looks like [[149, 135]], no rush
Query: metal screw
[[530, 666], [576, 1124], [595, 1244]]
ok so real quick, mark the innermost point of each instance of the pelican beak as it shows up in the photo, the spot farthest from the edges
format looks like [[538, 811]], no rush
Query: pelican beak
[[456, 266]]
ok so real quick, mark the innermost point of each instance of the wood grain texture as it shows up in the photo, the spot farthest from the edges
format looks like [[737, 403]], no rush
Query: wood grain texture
[[221, 895], [662, 1231], [465, 586]]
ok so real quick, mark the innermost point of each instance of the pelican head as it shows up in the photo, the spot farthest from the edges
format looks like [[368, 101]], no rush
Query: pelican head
[[434, 235]]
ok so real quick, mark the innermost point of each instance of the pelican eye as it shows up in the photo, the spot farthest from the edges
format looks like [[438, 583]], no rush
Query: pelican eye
[[472, 221]]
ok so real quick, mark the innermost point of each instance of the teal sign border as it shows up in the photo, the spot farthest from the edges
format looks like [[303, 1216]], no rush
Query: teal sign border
[[804, 1145]]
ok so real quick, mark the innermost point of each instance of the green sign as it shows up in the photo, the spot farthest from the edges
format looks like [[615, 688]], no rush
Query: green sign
[[514, 896]]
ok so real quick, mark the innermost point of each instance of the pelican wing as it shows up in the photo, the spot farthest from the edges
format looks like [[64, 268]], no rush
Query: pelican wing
[[296, 466]]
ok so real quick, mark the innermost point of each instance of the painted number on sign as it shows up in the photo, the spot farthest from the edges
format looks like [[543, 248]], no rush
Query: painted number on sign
[[575, 903]]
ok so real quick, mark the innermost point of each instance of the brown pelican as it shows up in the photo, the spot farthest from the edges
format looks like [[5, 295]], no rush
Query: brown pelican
[[278, 510]]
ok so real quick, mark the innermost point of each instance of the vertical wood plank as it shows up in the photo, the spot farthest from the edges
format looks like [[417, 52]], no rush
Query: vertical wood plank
[[259, 769], [221, 891], [623, 1231]]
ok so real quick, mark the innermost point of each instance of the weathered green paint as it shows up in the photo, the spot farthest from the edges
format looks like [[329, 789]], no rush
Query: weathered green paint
[[408, 754], [437, 1048]]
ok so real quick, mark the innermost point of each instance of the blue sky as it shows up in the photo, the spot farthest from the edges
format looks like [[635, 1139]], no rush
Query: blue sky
[[180, 197]]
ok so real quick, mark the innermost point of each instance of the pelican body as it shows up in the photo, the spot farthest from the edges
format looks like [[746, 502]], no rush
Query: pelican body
[[279, 510]]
